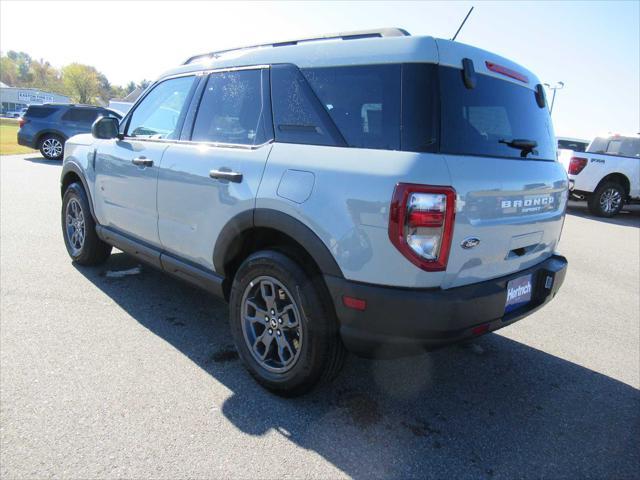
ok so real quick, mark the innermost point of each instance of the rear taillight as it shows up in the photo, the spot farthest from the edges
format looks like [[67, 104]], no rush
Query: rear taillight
[[576, 164], [21, 122], [421, 224]]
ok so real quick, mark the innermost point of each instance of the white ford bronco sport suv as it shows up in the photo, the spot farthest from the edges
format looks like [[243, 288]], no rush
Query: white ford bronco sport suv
[[371, 190]]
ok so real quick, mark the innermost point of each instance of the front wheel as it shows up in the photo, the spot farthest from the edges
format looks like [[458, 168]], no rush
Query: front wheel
[[607, 200], [283, 324], [79, 229]]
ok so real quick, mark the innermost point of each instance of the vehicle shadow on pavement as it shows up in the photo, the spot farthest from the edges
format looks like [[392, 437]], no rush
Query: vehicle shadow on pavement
[[43, 161], [628, 217], [495, 409]]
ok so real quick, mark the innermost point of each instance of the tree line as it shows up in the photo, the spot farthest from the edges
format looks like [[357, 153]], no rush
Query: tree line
[[82, 83]]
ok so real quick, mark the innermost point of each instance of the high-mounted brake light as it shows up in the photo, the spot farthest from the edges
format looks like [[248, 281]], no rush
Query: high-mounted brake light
[[421, 224], [507, 72], [576, 165]]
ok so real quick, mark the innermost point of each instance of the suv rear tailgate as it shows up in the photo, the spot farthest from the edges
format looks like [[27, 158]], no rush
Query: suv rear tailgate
[[514, 207]]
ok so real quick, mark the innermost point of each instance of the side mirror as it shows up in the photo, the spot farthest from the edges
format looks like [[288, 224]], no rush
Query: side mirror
[[105, 128]]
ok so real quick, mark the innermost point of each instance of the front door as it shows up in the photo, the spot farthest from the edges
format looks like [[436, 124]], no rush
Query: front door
[[127, 168], [206, 181]]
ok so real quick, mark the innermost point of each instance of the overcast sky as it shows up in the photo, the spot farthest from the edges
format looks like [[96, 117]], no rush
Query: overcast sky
[[593, 47]]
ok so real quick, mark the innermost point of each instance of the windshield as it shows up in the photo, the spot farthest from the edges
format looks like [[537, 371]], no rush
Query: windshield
[[496, 118]]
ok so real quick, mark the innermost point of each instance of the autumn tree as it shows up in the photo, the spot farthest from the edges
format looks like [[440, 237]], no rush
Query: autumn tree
[[81, 82], [45, 77], [9, 71]]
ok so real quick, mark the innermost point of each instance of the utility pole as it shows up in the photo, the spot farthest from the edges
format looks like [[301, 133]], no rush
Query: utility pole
[[557, 86]]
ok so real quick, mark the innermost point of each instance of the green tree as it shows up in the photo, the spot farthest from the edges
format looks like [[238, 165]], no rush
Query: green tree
[[45, 77], [81, 82], [23, 63], [8, 71], [131, 86]]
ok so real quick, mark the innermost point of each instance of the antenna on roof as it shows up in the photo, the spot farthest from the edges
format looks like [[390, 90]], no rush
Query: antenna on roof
[[462, 25]]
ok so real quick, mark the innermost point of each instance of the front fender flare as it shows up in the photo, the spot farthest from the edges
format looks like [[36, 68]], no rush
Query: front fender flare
[[72, 167]]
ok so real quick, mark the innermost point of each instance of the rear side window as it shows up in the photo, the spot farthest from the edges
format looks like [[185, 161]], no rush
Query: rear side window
[[39, 112], [362, 101], [485, 119], [81, 115], [232, 109], [298, 115], [420, 109]]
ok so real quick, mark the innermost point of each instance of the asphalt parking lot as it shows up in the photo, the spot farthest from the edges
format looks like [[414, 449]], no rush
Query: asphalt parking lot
[[104, 376]]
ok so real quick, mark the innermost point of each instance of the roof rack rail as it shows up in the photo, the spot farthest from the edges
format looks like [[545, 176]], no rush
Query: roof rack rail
[[353, 35]]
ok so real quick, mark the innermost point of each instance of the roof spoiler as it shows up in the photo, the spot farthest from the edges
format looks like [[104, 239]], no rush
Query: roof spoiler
[[353, 35]]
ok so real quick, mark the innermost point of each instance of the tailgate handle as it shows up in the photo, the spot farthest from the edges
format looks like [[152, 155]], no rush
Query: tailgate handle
[[521, 251]]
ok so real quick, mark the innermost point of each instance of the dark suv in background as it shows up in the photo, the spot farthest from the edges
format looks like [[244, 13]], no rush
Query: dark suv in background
[[47, 127]]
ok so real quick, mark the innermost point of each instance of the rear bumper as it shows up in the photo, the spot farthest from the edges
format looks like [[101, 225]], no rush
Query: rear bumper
[[402, 320], [26, 141]]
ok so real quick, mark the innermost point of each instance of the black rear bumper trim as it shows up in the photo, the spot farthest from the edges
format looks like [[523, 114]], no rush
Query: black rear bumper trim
[[404, 318]]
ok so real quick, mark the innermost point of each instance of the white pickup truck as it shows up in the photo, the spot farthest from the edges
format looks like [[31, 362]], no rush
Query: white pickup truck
[[607, 175]]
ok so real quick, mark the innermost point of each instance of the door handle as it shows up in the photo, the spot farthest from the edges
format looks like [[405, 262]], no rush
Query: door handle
[[226, 175], [142, 161]]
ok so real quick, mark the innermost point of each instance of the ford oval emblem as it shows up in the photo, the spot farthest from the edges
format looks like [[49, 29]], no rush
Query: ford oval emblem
[[470, 242]]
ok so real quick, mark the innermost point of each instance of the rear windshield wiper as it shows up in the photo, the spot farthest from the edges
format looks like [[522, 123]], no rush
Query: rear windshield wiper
[[525, 146]]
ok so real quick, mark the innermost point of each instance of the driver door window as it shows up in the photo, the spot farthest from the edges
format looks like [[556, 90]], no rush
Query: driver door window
[[159, 114]]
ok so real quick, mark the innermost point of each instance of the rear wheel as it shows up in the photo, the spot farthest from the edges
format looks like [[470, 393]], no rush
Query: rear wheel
[[79, 229], [607, 200], [283, 324], [52, 147]]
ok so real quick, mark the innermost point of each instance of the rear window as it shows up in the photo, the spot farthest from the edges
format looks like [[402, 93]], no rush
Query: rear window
[[39, 112], [622, 146], [416, 107], [483, 120], [571, 145]]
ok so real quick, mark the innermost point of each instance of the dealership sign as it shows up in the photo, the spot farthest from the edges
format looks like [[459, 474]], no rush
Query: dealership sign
[[34, 97]]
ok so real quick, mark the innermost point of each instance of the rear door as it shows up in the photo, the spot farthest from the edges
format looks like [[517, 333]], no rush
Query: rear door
[[127, 169], [499, 146], [78, 120], [213, 174]]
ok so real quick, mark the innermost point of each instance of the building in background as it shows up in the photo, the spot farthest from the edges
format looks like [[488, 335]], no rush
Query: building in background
[[16, 98], [122, 105]]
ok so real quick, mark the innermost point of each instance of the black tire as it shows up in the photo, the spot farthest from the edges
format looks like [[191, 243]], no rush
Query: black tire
[[600, 202], [52, 147], [321, 353], [92, 250]]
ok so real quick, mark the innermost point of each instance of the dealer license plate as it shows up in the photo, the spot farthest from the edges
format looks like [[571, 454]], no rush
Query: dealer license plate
[[518, 293]]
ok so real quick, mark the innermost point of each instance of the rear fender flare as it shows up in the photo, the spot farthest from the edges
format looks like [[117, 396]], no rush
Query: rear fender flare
[[275, 220]]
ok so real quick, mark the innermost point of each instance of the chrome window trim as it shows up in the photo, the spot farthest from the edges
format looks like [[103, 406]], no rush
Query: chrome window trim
[[199, 73], [203, 144], [208, 71]]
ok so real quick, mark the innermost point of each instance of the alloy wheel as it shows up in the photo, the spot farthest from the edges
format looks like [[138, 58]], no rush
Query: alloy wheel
[[75, 226], [271, 324], [52, 147], [610, 200]]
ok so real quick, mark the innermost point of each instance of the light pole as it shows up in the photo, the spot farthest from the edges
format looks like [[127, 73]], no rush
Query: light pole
[[557, 86]]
